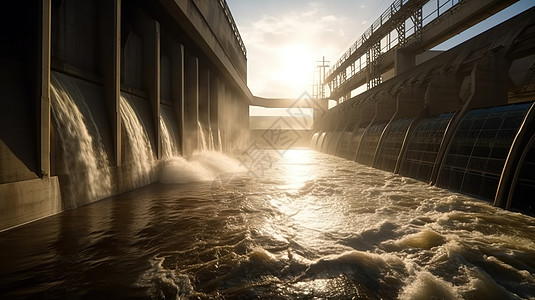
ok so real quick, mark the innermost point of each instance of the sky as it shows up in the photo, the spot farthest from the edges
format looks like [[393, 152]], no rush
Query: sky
[[285, 40]]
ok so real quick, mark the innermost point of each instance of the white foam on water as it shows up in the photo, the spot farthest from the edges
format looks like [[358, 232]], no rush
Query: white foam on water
[[179, 170], [427, 286], [425, 239], [163, 283], [360, 263], [480, 285], [203, 166]]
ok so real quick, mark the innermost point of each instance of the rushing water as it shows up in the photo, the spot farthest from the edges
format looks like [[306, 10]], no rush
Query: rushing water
[[312, 226], [206, 139], [84, 159], [168, 139], [141, 153]]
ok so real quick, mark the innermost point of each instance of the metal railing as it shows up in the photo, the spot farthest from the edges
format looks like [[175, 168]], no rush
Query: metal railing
[[232, 24], [439, 10], [442, 6], [385, 16]]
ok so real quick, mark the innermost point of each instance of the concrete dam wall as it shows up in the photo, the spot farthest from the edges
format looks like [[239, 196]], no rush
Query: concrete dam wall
[[96, 93], [463, 120]]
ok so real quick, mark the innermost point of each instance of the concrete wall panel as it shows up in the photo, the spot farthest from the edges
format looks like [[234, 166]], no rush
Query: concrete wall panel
[[29, 200], [74, 33]]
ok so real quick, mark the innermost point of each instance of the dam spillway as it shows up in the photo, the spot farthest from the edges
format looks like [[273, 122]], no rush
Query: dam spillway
[[87, 85], [141, 104], [458, 121]]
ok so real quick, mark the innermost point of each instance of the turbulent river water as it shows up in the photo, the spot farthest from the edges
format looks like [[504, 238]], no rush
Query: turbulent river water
[[306, 225]]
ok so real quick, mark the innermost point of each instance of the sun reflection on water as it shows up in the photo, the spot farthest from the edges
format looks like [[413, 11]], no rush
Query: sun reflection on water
[[309, 210], [298, 169]]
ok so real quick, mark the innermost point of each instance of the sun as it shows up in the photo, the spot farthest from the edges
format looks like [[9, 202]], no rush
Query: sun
[[297, 65]]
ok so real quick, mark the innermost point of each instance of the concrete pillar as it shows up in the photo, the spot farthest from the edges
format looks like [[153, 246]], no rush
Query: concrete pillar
[[217, 92], [245, 133], [320, 111], [204, 97], [191, 105], [245, 114], [150, 31], [44, 157], [110, 53], [177, 89], [442, 94], [227, 126], [243, 129]]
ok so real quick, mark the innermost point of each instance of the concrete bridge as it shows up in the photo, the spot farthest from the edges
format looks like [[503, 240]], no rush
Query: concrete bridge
[[296, 126], [180, 61]]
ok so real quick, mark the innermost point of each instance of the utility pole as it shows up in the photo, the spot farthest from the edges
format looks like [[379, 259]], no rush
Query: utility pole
[[314, 86], [321, 80]]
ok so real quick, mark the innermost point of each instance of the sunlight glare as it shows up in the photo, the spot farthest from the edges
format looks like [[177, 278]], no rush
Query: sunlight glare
[[298, 156], [297, 66]]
